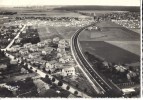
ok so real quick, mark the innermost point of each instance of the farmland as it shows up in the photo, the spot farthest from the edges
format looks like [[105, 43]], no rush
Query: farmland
[[110, 32], [109, 52]]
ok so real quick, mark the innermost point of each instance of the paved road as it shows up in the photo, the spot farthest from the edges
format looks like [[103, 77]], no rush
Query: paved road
[[105, 86]]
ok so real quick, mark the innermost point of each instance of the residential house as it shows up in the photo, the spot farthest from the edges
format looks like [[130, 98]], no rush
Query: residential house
[[61, 60], [68, 70], [18, 40], [23, 71], [47, 41], [62, 41], [23, 51], [47, 50], [131, 74], [120, 68], [27, 45], [61, 46], [14, 61], [3, 66], [59, 55], [51, 65], [62, 50], [56, 39], [31, 56], [41, 44], [33, 48], [15, 48]]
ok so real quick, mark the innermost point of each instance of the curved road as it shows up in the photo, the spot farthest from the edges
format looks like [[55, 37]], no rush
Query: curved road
[[103, 86]]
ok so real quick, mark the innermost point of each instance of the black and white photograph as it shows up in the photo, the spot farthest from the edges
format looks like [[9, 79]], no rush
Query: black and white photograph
[[70, 49]]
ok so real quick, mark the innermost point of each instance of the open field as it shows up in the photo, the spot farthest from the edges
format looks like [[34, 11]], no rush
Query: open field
[[131, 46], [109, 52], [46, 32], [53, 13], [98, 13], [110, 32], [136, 30], [66, 32]]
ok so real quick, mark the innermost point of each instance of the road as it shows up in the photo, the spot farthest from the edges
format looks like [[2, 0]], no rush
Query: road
[[103, 85]]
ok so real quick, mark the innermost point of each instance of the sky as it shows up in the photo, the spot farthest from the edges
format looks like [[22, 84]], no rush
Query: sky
[[69, 2]]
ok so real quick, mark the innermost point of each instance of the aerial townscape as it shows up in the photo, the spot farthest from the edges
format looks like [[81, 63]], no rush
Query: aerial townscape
[[70, 52]]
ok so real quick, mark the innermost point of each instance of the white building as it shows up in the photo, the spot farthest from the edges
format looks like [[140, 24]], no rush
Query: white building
[[47, 50], [27, 45], [56, 39], [15, 48], [3, 67], [59, 55], [120, 68], [41, 44], [23, 51], [33, 48], [47, 41], [61, 50], [51, 65], [61, 60], [67, 71], [30, 56], [13, 61]]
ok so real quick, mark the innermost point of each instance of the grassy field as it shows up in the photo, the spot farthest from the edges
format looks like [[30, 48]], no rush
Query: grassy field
[[136, 30], [131, 46], [110, 32], [109, 52], [66, 32], [46, 32]]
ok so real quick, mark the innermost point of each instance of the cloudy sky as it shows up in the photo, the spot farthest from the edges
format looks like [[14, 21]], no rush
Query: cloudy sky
[[69, 2]]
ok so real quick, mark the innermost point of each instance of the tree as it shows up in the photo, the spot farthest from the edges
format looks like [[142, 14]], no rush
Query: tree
[[43, 69], [62, 77], [76, 85], [68, 87], [29, 79], [60, 83], [31, 68], [49, 71], [4, 92], [75, 92], [53, 79], [85, 89], [46, 76]]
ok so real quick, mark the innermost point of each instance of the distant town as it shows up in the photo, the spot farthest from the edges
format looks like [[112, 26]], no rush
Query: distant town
[[58, 53]]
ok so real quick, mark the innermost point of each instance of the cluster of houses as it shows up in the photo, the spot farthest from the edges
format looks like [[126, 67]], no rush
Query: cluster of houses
[[128, 23], [121, 68], [34, 53], [7, 33]]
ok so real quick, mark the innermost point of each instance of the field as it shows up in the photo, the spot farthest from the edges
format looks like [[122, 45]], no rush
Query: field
[[50, 13], [136, 30], [46, 32], [66, 32], [131, 46], [109, 52], [110, 32], [98, 13]]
